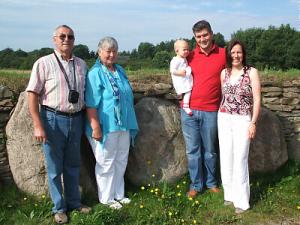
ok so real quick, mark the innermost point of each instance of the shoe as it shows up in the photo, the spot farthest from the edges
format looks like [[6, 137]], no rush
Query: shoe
[[60, 218], [227, 203], [214, 190], [124, 201], [84, 209], [114, 205], [239, 211], [192, 193]]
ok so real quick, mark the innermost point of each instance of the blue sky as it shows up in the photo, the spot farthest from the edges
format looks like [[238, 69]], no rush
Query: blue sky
[[29, 24]]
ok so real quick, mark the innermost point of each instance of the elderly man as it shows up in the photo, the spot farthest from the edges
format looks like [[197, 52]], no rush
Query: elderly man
[[200, 130], [57, 84]]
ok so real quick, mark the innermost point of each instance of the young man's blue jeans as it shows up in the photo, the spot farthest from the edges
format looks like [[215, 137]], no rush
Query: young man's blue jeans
[[62, 154], [200, 134]]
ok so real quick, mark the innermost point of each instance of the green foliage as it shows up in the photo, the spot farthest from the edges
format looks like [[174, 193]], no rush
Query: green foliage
[[162, 59], [82, 51], [146, 50], [219, 39], [274, 200], [274, 48]]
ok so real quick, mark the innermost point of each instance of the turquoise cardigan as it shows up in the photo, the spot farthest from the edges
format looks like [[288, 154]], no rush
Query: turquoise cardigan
[[99, 95]]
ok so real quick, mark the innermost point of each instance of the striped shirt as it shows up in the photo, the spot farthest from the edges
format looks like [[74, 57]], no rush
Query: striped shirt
[[48, 81]]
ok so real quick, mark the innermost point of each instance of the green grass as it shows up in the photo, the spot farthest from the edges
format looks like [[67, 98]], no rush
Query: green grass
[[17, 80], [289, 74], [275, 199]]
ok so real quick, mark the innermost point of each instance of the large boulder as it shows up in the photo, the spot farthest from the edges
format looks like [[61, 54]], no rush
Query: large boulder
[[26, 157], [158, 154], [268, 151], [159, 151]]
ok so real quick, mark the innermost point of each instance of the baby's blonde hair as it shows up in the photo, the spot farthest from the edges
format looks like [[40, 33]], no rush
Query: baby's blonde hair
[[178, 42]]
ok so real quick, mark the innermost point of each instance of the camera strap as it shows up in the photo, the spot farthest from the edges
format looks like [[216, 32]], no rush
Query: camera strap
[[65, 74]]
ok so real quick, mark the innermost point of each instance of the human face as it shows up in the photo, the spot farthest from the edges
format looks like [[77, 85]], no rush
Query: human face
[[237, 54], [183, 49], [64, 41], [204, 39], [108, 56]]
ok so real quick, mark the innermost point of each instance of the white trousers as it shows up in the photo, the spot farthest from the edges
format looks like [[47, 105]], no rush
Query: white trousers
[[234, 149], [111, 162]]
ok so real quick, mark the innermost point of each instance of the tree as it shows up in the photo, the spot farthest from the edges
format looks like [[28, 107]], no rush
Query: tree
[[250, 38], [81, 51], [146, 50], [161, 59], [219, 39]]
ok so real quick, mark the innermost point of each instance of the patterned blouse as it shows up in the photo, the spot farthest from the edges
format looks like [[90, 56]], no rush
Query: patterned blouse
[[237, 97]]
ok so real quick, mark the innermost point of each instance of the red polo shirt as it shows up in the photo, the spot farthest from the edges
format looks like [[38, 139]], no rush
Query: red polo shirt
[[206, 70]]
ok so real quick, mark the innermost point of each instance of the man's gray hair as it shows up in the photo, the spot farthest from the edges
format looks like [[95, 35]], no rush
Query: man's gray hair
[[61, 26], [108, 42]]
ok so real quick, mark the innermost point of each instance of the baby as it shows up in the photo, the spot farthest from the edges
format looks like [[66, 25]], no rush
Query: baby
[[181, 74]]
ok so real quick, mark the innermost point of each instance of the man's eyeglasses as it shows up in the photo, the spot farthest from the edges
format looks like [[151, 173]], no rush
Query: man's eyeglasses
[[64, 36]]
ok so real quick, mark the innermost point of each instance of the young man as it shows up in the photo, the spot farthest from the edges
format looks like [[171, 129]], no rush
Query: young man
[[57, 85], [200, 130]]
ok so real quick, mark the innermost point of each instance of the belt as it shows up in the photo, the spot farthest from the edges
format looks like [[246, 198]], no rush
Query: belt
[[47, 108]]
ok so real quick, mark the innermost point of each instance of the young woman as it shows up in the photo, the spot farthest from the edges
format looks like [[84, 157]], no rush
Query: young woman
[[237, 120]]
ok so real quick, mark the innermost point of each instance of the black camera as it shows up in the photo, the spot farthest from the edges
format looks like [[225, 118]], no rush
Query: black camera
[[73, 96]]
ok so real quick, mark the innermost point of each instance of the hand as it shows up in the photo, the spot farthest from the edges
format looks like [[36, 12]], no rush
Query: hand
[[182, 72], [97, 134], [40, 135], [251, 130]]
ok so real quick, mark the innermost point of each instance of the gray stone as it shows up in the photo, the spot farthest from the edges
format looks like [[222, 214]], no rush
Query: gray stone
[[271, 89], [271, 100], [290, 95], [5, 92], [159, 151], [268, 151], [272, 94], [26, 157], [291, 89], [294, 148]]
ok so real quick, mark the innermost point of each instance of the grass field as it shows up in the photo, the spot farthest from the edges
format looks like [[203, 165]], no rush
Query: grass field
[[275, 199], [17, 79]]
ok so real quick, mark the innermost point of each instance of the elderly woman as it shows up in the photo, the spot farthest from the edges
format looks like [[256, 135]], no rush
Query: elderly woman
[[237, 119], [112, 123]]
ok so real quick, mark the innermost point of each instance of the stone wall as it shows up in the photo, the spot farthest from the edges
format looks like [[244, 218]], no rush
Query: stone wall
[[283, 98], [6, 106]]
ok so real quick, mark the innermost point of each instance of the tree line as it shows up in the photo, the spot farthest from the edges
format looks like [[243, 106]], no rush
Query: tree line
[[272, 48]]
